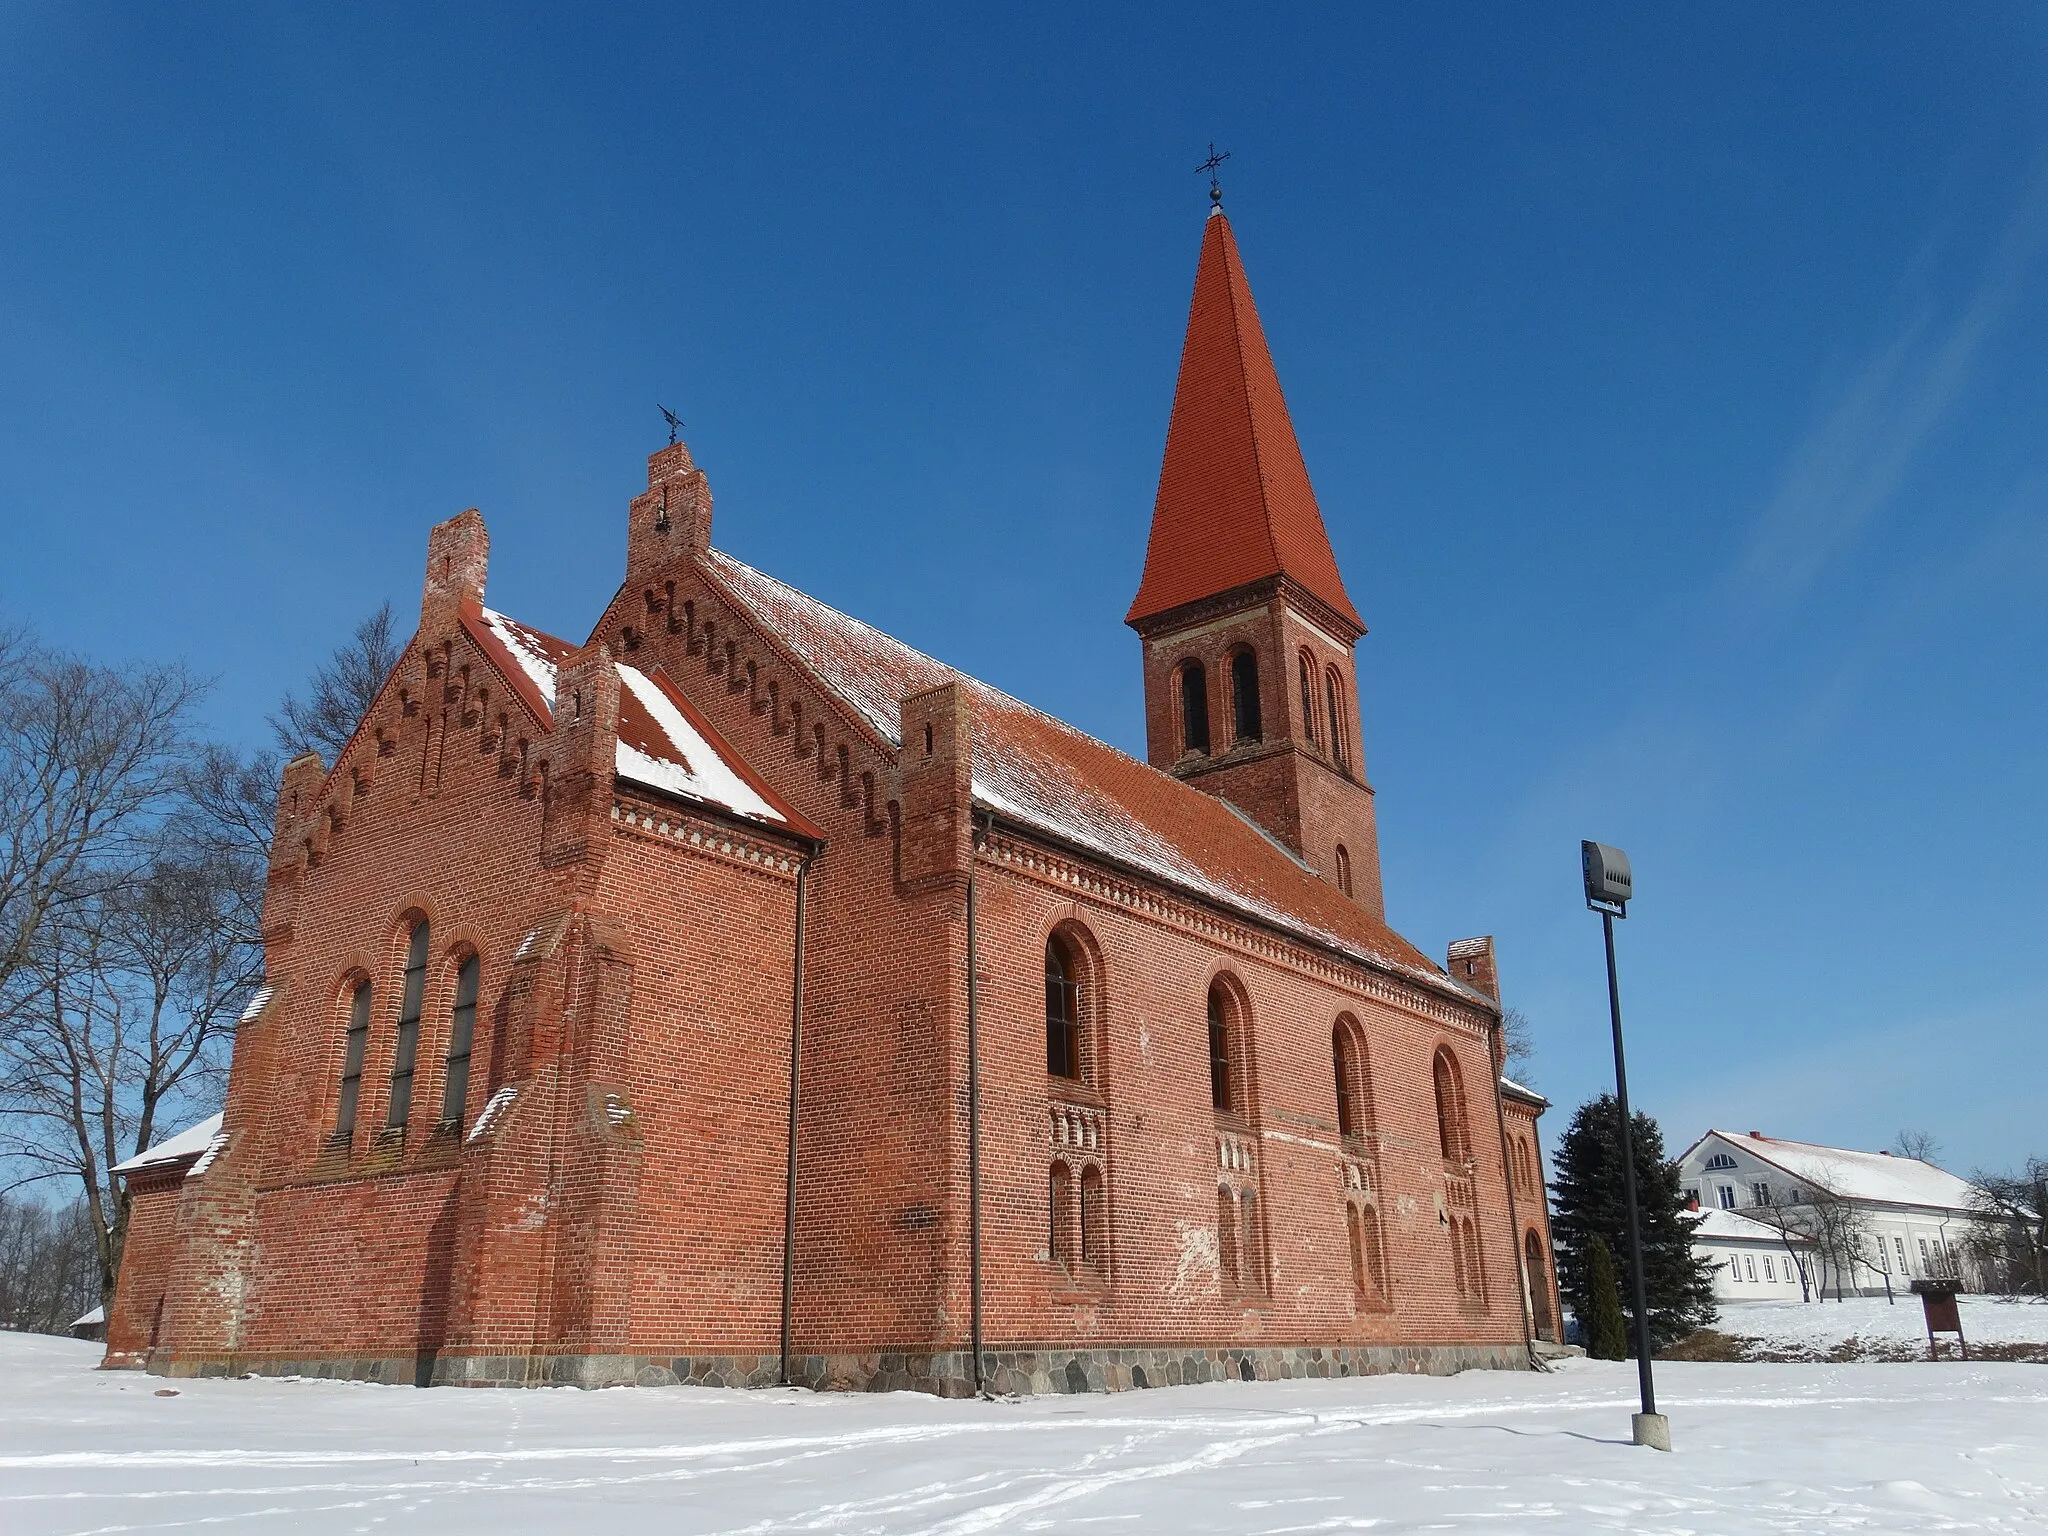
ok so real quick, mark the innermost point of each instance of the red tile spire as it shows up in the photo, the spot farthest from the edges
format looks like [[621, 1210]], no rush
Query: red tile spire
[[1235, 505]]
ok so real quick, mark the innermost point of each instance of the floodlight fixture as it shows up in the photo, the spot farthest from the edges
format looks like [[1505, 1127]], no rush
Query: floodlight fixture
[[1608, 887]]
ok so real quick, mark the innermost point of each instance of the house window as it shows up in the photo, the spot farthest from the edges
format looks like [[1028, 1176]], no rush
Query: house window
[[409, 1002], [461, 1038], [1767, 1268], [1308, 695], [1452, 1135], [1354, 1078], [1219, 1050], [1735, 1268], [1760, 1194], [1194, 707], [1062, 1013], [1344, 869], [1340, 733], [1692, 1194], [357, 1041], [1900, 1244], [1727, 1193], [1244, 695], [1719, 1161], [1749, 1262], [1925, 1262]]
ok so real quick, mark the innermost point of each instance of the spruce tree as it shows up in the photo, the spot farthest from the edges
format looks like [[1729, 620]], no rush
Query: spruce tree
[[1606, 1329], [1589, 1203]]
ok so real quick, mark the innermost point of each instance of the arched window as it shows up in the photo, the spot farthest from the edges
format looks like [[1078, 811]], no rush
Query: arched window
[[1539, 1288], [1244, 695], [1340, 730], [1451, 1132], [1251, 1251], [1062, 1012], [1094, 1220], [1194, 707], [410, 1000], [1061, 1241], [461, 1037], [1344, 869], [1226, 1238], [1354, 1233], [1308, 695], [1354, 1078], [1220, 1086], [356, 1041]]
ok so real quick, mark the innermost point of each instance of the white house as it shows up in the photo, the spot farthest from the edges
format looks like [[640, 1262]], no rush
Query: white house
[[1915, 1215], [1752, 1262]]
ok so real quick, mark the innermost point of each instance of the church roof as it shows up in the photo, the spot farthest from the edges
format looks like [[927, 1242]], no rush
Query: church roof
[[1044, 775], [1235, 504], [189, 1144], [664, 743]]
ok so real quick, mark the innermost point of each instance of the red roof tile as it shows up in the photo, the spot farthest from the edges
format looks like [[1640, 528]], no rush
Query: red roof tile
[[1235, 504]]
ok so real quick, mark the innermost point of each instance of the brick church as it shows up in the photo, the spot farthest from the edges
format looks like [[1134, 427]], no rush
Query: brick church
[[741, 996]]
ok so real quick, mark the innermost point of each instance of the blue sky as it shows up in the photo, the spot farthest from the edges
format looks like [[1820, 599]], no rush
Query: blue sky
[[1673, 381]]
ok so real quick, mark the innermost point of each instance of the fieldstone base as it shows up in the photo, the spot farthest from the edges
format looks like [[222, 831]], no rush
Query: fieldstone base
[[945, 1373]]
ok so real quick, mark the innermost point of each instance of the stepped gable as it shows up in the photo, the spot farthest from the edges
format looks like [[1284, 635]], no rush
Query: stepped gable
[[1043, 774], [664, 743], [1235, 505]]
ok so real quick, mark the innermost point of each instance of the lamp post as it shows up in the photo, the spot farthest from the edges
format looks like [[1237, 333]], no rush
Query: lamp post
[[1608, 888]]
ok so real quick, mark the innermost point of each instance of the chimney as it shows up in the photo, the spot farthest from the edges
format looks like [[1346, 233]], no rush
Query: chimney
[[672, 520], [458, 554], [1471, 961], [1757, 1136]]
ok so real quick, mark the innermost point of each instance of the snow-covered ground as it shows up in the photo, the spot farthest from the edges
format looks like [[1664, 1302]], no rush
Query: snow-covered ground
[[1761, 1448], [1872, 1328]]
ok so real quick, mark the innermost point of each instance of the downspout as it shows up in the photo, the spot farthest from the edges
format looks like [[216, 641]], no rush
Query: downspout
[[1500, 1120], [973, 1118], [796, 1042]]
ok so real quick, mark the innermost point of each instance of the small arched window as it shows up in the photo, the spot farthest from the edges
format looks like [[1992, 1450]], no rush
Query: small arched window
[[1251, 1251], [1340, 730], [1308, 695], [1094, 1220], [356, 1041], [1061, 1240], [1452, 1135], [1354, 1079], [461, 1038], [1194, 707], [1227, 1270], [1244, 695], [1344, 869], [1220, 1085], [1062, 1012], [411, 998]]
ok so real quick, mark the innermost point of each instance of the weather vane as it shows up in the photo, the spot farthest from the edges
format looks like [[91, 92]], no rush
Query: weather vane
[[1210, 165], [675, 422]]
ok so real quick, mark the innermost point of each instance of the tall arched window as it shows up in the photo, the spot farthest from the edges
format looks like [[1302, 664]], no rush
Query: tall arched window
[[410, 1000], [1194, 707], [1354, 1079], [461, 1038], [1244, 695], [1062, 1013], [1061, 1239], [1452, 1135], [1340, 730], [355, 1043], [1344, 869], [1308, 695], [1220, 1086]]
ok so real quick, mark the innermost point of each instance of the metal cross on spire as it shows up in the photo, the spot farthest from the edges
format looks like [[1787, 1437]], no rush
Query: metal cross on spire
[[675, 422], [1210, 165]]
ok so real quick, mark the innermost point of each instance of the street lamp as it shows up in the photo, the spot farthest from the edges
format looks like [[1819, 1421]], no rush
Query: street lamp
[[1608, 889]]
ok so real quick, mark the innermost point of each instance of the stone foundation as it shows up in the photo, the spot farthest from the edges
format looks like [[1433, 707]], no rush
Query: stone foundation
[[1006, 1372]]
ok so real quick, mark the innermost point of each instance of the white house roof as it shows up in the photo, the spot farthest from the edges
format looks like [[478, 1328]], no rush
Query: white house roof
[[190, 1142], [96, 1315], [1732, 1226], [1850, 1175]]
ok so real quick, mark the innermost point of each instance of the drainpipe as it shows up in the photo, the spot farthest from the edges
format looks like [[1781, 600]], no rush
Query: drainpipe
[[1500, 1120], [973, 1119], [796, 1041]]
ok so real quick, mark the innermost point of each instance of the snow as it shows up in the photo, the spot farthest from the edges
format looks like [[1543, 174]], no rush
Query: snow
[[1876, 1324], [90, 1319], [190, 1142], [701, 774], [1760, 1449], [258, 1001], [1876, 1176], [538, 666]]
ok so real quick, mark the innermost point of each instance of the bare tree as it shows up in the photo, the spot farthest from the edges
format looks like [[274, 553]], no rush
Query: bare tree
[[1917, 1144], [49, 1265], [1517, 1046], [343, 688], [2009, 1238]]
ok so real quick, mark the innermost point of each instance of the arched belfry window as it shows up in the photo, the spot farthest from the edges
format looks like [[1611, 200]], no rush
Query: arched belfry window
[[1194, 707], [1344, 869], [1452, 1134], [1062, 1012], [1339, 729], [1308, 695], [1244, 695], [411, 998]]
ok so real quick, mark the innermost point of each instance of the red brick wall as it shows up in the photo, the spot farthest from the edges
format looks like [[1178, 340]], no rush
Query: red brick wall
[[146, 1256]]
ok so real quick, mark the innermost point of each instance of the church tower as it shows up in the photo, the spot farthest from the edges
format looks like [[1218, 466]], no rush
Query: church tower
[[1250, 685]]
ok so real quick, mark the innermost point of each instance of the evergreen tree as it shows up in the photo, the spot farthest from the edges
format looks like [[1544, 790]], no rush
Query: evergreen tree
[[1587, 1190], [1606, 1329]]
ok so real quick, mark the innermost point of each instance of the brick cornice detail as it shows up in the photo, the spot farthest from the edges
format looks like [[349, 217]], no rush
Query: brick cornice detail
[[702, 835]]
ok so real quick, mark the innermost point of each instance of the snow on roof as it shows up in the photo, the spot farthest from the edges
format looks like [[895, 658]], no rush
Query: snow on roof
[[1465, 949], [192, 1142], [1858, 1175], [1733, 1226], [258, 1001], [663, 742], [96, 1315], [1519, 1090], [1046, 775]]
